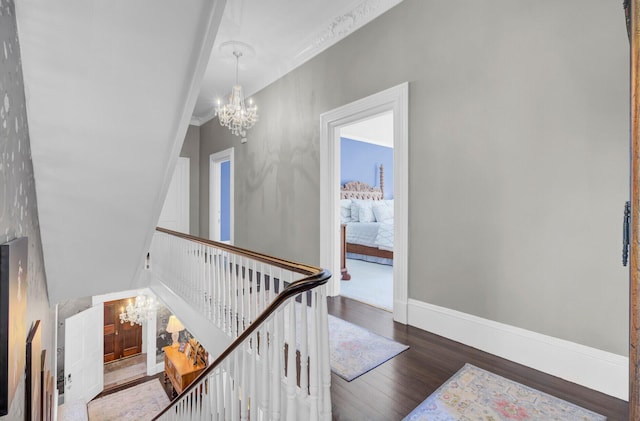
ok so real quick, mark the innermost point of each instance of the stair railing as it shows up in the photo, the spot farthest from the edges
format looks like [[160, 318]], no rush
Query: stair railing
[[277, 366]]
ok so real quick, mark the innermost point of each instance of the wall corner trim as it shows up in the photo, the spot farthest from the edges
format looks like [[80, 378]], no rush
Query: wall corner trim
[[590, 367]]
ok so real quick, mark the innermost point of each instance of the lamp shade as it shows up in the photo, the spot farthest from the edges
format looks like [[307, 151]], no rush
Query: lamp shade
[[174, 325]]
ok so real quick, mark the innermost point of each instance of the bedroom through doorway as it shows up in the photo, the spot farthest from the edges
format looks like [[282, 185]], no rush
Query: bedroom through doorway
[[396, 101], [367, 210]]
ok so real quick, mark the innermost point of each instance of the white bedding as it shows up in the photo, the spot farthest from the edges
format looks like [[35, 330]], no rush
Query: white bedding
[[371, 234]]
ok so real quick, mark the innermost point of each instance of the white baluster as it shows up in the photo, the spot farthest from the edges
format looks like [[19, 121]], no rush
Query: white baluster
[[218, 288], [266, 350], [304, 350], [263, 288], [314, 368], [235, 382], [244, 384], [324, 351], [291, 361], [277, 373], [213, 394], [231, 291], [220, 389], [253, 380], [228, 390], [207, 284]]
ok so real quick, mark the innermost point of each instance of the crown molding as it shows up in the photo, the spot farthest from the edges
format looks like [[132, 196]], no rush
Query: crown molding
[[342, 26], [203, 119]]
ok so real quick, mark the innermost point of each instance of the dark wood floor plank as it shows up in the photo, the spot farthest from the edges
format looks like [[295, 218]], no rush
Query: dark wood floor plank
[[392, 390]]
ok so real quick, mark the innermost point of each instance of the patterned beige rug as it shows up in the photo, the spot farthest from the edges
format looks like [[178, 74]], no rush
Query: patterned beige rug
[[476, 394], [141, 402]]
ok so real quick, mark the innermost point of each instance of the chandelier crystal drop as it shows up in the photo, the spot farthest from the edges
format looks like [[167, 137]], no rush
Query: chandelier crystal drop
[[138, 312], [235, 114]]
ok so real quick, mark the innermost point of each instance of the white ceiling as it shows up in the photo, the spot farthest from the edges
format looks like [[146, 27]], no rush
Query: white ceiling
[[378, 130], [284, 34]]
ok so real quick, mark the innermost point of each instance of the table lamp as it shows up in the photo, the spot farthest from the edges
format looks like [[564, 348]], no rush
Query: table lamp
[[174, 327]]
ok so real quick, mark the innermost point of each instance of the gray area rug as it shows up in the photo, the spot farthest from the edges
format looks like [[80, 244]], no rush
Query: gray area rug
[[141, 402]]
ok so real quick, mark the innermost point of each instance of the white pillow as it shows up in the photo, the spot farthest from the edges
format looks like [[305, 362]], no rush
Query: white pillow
[[382, 211], [345, 211], [363, 209]]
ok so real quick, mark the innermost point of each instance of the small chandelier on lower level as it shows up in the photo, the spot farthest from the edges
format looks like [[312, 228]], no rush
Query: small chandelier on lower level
[[235, 114], [138, 312]]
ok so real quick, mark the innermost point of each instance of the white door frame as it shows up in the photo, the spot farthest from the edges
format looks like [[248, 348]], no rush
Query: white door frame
[[394, 99], [149, 327], [215, 160]]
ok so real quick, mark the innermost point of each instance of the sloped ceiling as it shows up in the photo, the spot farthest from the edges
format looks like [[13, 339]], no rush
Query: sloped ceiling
[[110, 87]]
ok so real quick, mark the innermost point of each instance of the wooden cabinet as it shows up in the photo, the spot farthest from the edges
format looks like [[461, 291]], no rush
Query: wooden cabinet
[[180, 369]]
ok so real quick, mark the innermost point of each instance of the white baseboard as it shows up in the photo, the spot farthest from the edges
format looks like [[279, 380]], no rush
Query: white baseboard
[[590, 367]]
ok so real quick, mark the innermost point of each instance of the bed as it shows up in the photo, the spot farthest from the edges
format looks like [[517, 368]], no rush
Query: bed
[[366, 230]]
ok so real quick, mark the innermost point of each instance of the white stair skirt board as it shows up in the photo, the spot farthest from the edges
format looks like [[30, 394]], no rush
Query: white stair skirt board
[[590, 367]]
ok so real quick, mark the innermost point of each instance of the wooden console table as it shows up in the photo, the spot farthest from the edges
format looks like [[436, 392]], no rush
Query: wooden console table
[[180, 369]]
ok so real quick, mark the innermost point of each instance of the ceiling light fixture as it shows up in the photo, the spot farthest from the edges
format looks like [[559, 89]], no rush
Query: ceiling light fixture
[[137, 313], [234, 114]]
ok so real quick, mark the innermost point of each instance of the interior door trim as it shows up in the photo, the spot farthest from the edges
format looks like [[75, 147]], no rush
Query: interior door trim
[[634, 293]]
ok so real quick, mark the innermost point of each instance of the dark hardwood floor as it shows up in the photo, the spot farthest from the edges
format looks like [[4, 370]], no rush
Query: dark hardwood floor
[[390, 391]]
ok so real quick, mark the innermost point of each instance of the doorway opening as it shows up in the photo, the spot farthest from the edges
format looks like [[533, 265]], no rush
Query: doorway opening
[[395, 101], [366, 211], [123, 358], [221, 194]]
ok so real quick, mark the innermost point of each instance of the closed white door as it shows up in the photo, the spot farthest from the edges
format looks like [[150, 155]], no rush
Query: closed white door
[[175, 212], [83, 355]]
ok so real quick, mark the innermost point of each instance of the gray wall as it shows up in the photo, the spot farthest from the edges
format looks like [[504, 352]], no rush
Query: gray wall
[[18, 205], [518, 168], [191, 150]]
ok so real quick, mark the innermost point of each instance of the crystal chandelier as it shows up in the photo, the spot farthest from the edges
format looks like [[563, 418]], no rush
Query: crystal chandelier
[[139, 311], [235, 115]]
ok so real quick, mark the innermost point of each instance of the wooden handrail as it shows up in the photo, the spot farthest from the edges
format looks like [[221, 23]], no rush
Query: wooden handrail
[[316, 277], [264, 258]]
